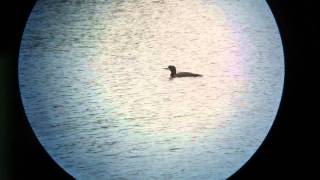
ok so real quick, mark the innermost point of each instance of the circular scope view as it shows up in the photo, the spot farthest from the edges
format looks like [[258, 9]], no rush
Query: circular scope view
[[151, 89]]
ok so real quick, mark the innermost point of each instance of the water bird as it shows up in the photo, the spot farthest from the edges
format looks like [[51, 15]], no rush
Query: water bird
[[174, 73]]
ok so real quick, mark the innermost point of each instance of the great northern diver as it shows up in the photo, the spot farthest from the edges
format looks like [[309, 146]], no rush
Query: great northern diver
[[174, 73]]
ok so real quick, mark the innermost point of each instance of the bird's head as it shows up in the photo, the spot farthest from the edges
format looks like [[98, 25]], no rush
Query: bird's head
[[171, 68]]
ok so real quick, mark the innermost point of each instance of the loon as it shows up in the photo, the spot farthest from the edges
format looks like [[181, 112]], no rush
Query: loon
[[174, 73]]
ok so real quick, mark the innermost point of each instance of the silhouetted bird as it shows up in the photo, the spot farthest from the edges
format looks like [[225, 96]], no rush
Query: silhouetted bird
[[174, 73]]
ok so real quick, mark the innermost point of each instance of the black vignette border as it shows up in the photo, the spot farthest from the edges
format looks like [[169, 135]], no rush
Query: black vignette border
[[280, 155], [285, 153], [21, 155]]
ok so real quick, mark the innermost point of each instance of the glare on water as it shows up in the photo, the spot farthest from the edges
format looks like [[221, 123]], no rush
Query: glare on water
[[136, 48], [96, 94]]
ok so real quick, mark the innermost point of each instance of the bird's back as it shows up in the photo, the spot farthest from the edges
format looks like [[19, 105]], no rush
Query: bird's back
[[187, 74]]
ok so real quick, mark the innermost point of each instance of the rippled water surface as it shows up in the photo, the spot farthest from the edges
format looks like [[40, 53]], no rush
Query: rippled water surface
[[96, 94]]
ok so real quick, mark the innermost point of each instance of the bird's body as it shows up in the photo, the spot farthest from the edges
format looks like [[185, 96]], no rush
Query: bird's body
[[174, 73], [187, 74]]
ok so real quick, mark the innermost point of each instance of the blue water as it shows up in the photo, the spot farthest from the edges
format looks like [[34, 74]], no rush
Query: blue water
[[96, 95]]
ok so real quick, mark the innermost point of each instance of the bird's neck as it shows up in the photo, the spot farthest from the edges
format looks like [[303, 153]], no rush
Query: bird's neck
[[173, 74]]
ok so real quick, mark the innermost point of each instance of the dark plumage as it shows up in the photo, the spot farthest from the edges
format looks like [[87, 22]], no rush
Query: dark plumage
[[174, 73]]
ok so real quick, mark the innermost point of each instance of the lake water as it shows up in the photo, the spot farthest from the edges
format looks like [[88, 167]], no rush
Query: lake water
[[96, 94]]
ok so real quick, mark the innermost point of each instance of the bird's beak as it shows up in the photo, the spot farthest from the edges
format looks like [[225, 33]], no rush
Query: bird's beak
[[166, 68]]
